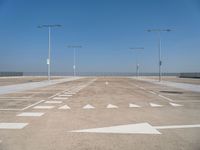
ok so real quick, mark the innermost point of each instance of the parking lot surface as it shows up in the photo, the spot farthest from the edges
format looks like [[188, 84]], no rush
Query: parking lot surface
[[100, 113]]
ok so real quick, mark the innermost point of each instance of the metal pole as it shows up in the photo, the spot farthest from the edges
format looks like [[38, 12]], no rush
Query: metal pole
[[160, 61], [49, 56]]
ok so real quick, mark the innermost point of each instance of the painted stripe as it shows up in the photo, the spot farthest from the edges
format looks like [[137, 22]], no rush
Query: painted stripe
[[53, 102], [88, 106], [133, 105], [65, 95], [30, 114], [175, 104], [155, 105], [43, 107], [60, 98], [33, 104], [169, 99], [152, 92], [178, 126], [111, 106], [64, 107], [12, 125]]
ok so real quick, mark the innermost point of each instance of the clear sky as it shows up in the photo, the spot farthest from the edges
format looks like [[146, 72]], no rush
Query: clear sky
[[106, 29]]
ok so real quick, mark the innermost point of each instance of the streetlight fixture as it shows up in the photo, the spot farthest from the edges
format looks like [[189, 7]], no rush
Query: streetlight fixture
[[137, 63], [49, 50], [74, 49], [159, 48]]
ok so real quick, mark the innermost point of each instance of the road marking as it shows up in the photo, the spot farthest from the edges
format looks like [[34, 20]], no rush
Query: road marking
[[65, 95], [72, 93], [133, 105], [140, 128], [53, 102], [169, 99], [111, 106], [30, 114], [88, 106], [12, 125], [175, 105], [152, 92], [142, 88], [33, 105], [43, 107], [155, 105], [178, 126], [64, 107], [60, 98]]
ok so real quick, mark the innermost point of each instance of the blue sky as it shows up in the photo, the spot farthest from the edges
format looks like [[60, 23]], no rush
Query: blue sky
[[106, 29]]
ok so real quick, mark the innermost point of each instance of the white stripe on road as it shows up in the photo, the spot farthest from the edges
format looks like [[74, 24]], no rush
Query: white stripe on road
[[30, 114], [53, 102], [60, 98], [152, 92], [33, 104], [12, 125], [64, 107], [169, 99], [177, 126], [43, 107], [175, 105]]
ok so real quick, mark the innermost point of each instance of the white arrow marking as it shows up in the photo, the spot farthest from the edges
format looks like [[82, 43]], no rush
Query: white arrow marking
[[111, 106], [64, 107], [175, 105], [133, 105], [140, 128], [155, 105], [88, 106]]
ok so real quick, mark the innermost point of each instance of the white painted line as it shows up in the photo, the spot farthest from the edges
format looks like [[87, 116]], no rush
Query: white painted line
[[142, 88], [65, 95], [43, 107], [12, 125], [10, 109], [178, 126], [30, 114], [60, 98], [133, 105], [64, 107], [155, 105], [140, 128], [175, 104], [54, 95], [33, 105], [70, 93], [152, 92], [88, 106], [169, 99], [53, 102], [111, 106]]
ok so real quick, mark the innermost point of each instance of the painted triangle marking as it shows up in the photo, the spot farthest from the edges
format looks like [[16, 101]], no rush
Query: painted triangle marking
[[64, 107], [140, 128], [155, 105], [175, 105], [88, 106], [133, 105], [111, 106]]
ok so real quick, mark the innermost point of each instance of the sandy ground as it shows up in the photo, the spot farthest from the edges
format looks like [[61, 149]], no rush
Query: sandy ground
[[52, 130]]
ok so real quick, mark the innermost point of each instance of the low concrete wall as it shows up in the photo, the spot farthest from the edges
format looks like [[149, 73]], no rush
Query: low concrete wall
[[6, 74], [189, 75]]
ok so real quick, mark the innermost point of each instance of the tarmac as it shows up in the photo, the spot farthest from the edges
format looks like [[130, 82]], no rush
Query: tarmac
[[100, 113]]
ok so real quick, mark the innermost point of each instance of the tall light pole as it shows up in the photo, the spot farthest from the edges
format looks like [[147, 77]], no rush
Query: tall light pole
[[137, 63], [49, 50], [159, 48], [74, 57]]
